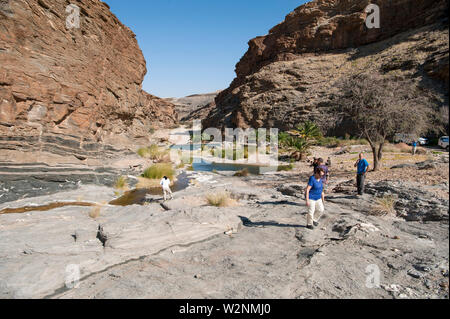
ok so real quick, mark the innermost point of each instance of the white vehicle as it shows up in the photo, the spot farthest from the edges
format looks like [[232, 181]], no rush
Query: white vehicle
[[422, 141], [443, 142]]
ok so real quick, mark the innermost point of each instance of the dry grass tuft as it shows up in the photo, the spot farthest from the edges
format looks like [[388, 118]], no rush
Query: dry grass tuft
[[384, 206], [121, 183], [146, 183], [242, 173], [95, 212], [157, 171], [155, 153], [222, 199]]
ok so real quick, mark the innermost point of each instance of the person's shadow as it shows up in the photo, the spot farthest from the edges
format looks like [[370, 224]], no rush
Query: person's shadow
[[248, 223], [282, 202]]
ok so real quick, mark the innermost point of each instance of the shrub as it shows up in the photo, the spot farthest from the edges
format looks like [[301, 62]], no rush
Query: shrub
[[309, 131], [154, 152], [242, 173], [384, 206], [282, 168], [222, 199], [158, 171], [142, 152], [121, 183], [95, 212], [297, 144], [282, 138]]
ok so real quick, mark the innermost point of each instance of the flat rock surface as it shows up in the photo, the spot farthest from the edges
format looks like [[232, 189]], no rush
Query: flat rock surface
[[259, 248]]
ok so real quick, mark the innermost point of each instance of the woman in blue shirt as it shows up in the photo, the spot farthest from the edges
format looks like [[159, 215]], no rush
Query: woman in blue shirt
[[315, 198]]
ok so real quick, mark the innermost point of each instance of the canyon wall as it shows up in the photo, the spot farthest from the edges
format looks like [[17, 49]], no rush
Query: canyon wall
[[67, 89], [289, 75]]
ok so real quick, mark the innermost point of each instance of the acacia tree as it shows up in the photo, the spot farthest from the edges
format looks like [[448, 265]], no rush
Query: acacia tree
[[378, 107]]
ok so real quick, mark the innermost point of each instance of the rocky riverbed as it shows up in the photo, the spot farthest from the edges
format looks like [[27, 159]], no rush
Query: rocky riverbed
[[259, 248]]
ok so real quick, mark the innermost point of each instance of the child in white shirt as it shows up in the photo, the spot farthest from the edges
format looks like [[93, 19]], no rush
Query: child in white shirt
[[165, 183]]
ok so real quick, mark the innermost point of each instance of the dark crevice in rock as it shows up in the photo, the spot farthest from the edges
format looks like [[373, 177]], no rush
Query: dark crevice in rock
[[165, 206], [64, 117], [43, 4], [63, 289], [101, 236]]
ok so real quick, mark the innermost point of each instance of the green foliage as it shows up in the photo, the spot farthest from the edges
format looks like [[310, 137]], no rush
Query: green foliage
[[282, 138], [285, 167], [309, 131], [158, 171], [154, 152], [297, 144]]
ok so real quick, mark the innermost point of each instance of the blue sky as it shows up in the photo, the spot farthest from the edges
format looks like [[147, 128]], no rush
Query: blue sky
[[192, 46]]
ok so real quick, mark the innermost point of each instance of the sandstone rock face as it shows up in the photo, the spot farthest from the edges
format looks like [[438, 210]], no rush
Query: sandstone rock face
[[289, 75], [195, 106], [74, 85]]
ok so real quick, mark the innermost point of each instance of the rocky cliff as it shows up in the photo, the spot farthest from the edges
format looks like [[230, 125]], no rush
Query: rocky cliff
[[67, 89], [194, 107], [289, 75]]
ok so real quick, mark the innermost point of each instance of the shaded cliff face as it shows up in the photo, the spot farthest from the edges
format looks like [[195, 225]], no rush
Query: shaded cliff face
[[289, 75], [194, 107], [79, 84]]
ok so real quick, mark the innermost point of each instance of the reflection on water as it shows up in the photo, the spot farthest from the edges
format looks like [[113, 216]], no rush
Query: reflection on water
[[136, 196], [256, 169], [44, 208]]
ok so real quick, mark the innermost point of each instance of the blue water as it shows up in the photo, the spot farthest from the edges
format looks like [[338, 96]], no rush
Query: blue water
[[201, 165]]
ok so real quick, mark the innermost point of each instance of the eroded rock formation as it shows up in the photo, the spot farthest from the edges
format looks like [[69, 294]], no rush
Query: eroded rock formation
[[289, 75], [194, 107], [72, 90]]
